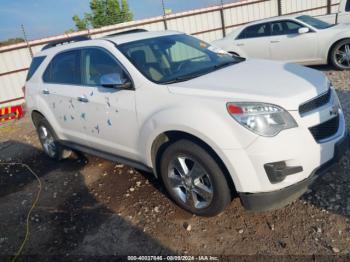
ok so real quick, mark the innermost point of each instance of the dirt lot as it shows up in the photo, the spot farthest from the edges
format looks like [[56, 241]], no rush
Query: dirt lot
[[91, 207]]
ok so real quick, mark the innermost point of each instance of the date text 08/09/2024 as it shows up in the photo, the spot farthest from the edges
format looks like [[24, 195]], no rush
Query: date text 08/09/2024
[[173, 258]]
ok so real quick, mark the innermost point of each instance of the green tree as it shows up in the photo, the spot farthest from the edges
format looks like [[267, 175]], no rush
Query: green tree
[[81, 24], [104, 12], [113, 12], [125, 12]]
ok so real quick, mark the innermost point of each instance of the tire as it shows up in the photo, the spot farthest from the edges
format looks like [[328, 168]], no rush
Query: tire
[[187, 167], [49, 140], [340, 55]]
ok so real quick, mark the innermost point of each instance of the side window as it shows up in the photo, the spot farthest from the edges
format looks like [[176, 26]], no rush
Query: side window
[[64, 68], [36, 62], [96, 63], [292, 27], [259, 30], [347, 6], [276, 28], [284, 28]]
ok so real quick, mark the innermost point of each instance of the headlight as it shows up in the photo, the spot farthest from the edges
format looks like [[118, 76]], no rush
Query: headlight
[[260, 118]]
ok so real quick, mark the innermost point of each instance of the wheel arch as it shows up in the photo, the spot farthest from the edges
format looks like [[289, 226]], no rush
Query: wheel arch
[[35, 115], [333, 45], [163, 140]]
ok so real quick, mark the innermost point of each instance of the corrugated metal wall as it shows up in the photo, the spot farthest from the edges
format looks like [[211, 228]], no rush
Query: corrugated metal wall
[[310, 7], [204, 23], [248, 13]]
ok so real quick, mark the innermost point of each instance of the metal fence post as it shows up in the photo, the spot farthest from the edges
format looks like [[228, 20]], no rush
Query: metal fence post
[[279, 7], [26, 40], [329, 6], [165, 23], [223, 26], [164, 16]]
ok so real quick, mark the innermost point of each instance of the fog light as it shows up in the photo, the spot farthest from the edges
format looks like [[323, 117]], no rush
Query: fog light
[[278, 171]]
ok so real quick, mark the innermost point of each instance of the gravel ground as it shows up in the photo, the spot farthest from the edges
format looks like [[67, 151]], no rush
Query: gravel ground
[[90, 207]]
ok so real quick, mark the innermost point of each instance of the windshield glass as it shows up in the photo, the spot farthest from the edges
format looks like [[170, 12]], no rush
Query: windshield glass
[[319, 24], [175, 58]]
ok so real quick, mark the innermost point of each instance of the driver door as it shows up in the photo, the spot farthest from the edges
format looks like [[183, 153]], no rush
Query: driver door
[[108, 114], [288, 45]]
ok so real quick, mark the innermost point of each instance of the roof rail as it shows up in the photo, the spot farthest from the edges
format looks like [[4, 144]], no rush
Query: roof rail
[[66, 41], [131, 31]]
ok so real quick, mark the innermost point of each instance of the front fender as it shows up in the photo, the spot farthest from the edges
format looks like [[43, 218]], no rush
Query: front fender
[[339, 37], [239, 51], [215, 130], [229, 46]]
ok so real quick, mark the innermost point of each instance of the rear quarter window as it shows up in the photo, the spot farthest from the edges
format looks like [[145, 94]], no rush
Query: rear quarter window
[[36, 62]]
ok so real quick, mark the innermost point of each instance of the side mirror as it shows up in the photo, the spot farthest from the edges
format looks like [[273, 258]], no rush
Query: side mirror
[[115, 80], [303, 30]]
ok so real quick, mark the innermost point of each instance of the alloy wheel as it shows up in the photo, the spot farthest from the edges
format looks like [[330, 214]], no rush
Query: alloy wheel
[[48, 141], [342, 56], [190, 182]]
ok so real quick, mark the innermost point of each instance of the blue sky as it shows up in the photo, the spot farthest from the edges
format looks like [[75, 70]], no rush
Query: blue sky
[[43, 18]]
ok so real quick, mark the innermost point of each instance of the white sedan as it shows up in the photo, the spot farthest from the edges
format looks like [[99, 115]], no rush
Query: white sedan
[[300, 39]]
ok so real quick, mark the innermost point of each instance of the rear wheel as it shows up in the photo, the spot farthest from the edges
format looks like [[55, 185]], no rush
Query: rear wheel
[[49, 140], [340, 55], [193, 179]]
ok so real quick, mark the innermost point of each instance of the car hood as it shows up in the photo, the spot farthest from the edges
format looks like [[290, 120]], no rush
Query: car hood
[[286, 85]]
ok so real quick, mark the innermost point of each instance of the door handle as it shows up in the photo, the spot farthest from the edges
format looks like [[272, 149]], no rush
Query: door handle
[[275, 42], [83, 99], [46, 92], [240, 44]]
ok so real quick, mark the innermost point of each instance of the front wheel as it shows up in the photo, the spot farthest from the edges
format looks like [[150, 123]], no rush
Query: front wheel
[[193, 179], [340, 55]]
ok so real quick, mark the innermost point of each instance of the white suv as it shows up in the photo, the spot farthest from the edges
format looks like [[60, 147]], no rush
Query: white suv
[[207, 124]]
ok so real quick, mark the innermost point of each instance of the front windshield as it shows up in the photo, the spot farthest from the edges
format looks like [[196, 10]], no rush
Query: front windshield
[[314, 22], [175, 58]]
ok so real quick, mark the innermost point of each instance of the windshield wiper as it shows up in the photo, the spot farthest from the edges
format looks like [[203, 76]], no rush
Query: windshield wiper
[[219, 66], [183, 78], [209, 70]]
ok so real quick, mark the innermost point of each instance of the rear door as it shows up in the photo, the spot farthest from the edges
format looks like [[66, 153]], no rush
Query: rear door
[[254, 41], [62, 90], [287, 44]]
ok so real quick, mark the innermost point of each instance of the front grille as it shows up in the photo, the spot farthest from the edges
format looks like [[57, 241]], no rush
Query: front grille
[[315, 103], [326, 129]]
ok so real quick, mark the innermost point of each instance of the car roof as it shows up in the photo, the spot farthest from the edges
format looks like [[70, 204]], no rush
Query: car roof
[[126, 38], [117, 39], [237, 30], [276, 18]]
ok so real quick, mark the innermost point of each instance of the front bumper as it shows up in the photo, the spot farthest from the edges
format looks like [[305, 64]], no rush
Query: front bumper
[[279, 198], [269, 164]]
